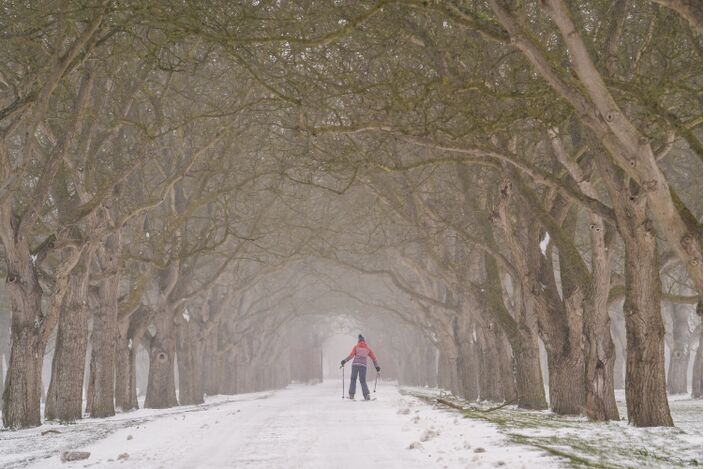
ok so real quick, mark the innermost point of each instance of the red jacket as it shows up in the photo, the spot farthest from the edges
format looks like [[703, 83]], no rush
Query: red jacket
[[360, 352]]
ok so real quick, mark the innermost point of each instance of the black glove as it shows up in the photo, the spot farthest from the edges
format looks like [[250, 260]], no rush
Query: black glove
[[378, 369], [342, 363]]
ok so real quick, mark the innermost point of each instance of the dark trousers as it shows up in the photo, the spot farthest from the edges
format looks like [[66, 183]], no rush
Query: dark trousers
[[362, 372]]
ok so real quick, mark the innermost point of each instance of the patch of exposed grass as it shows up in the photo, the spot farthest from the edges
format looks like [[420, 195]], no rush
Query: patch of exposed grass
[[585, 444]]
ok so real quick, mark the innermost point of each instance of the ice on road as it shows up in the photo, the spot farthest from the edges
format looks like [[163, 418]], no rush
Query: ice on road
[[305, 427]]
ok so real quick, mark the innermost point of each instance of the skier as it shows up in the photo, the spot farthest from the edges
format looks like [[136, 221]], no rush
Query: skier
[[360, 352]]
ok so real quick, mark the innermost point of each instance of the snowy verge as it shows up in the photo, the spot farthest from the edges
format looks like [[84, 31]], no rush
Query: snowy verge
[[592, 444], [19, 448]]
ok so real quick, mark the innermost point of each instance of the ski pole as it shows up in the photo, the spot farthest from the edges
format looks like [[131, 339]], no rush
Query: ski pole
[[343, 380], [375, 380]]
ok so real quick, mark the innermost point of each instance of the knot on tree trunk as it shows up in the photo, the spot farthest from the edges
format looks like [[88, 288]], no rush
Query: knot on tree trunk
[[506, 189], [650, 185]]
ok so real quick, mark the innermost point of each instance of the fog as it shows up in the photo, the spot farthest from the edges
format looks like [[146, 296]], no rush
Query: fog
[[201, 200]]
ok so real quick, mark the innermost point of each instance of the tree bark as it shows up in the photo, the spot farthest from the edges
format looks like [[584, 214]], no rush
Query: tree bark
[[161, 388], [212, 366], [529, 378], [523, 340], [105, 333], [190, 353], [506, 368], [679, 350], [490, 378], [64, 399], [566, 361], [448, 366], [560, 323], [600, 358], [468, 368], [131, 331], [23, 383], [599, 350], [697, 367], [103, 341], [529, 302], [126, 373], [646, 395]]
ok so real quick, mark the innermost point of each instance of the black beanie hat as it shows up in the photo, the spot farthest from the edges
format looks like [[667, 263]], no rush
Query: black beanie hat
[[360, 338]]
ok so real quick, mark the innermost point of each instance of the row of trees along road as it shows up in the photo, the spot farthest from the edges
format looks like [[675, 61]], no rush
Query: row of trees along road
[[489, 176]]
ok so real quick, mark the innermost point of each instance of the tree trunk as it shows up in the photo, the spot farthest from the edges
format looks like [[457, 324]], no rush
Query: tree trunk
[[507, 376], [529, 379], [679, 352], [468, 367], [448, 370], [64, 400], [599, 350], [646, 395], [23, 383], [161, 388], [103, 341], [561, 326], [5, 320], [600, 356], [212, 366], [189, 351], [697, 370], [466, 362], [130, 333], [490, 377], [566, 368], [523, 340], [126, 374], [105, 333], [566, 374]]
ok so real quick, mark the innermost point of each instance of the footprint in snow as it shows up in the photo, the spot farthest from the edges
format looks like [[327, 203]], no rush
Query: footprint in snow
[[429, 434]]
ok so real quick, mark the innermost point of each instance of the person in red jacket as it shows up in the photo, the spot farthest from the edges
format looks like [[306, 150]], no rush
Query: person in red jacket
[[360, 352]]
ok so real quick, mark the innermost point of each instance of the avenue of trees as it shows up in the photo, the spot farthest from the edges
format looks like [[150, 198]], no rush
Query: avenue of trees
[[216, 186]]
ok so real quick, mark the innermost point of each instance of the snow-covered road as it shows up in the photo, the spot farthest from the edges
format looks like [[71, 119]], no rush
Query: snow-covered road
[[302, 427]]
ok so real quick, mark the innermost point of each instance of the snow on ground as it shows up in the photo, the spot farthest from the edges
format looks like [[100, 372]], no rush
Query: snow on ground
[[299, 427], [590, 444]]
